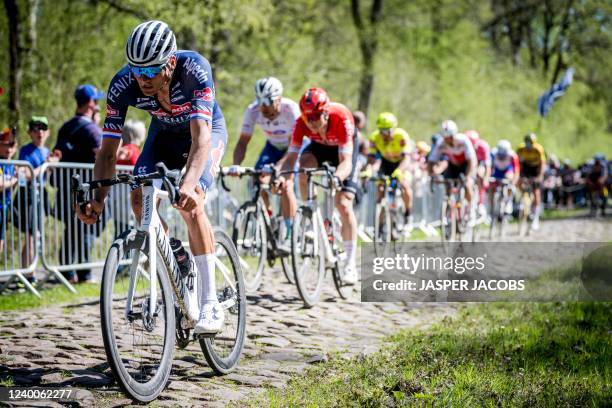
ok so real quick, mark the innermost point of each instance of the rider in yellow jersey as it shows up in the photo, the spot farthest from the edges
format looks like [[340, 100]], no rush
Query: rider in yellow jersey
[[533, 161], [389, 152]]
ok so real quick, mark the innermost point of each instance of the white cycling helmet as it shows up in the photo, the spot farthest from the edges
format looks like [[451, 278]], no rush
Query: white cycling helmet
[[504, 147], [151, 43], [267, 90], [448, 128]]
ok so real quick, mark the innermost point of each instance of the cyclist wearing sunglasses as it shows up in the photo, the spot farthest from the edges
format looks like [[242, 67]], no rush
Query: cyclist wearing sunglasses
[[331, 129], [276, 116], [187, 129]]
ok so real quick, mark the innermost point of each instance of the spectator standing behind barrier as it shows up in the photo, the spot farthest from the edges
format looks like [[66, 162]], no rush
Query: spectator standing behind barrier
[[36, 154], [8, 148], [78, 141], [132, 135]]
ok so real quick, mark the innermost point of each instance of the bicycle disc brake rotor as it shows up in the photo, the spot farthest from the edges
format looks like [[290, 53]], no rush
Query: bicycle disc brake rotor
[[148, 320]]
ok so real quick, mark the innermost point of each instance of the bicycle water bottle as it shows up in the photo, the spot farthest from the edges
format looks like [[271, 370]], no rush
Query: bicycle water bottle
[[182, 256]]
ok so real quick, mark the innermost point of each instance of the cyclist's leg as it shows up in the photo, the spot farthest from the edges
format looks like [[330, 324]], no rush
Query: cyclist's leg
[[269, 155], [201, 237], [307, 159], [288, 201], [344, 203]]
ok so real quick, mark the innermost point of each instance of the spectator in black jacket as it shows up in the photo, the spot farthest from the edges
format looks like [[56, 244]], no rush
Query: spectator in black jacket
[[78, 141]]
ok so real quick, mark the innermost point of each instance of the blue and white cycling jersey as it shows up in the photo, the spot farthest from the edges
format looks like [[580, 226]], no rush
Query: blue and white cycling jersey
[[192, 96]]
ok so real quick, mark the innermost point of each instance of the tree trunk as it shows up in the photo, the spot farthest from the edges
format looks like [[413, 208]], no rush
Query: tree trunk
[[15, 62], [368, 44], [548, 26], [565, 23]]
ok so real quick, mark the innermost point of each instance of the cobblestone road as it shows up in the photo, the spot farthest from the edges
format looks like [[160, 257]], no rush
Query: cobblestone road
[[61, 345]]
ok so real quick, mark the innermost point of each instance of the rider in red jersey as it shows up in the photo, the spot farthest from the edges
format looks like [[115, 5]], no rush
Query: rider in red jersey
[[331, 129]]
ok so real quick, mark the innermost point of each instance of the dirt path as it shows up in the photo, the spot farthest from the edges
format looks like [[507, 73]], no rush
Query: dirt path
[[61, 345]]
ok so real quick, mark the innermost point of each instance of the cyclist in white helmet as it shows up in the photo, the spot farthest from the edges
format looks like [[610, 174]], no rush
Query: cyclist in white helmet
[[187, 130], [453, 155], [276, 117]]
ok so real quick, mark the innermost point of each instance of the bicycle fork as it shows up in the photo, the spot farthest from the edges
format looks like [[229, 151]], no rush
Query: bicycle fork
[[321, 232]]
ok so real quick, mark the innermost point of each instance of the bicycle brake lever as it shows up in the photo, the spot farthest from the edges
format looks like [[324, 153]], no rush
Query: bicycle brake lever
[[79, 191]]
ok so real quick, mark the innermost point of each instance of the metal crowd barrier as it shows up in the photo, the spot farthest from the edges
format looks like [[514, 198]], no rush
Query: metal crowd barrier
[[68, 245], [18, 222], [38, 218]]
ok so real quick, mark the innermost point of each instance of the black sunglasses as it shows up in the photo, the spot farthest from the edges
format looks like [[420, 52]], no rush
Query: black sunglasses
[[38, 126]]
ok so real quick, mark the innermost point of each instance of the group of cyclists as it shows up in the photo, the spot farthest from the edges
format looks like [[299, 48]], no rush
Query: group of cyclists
[[188, 130]]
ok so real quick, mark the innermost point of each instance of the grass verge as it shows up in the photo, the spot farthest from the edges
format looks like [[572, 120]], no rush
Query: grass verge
[[53, 296], [508, 354]]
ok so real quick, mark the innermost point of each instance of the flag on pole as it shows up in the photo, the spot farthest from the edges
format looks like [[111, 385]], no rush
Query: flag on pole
[[548, 98]]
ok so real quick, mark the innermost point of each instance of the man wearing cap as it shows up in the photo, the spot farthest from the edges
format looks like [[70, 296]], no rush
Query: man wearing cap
[[79, 138], [78, 141]]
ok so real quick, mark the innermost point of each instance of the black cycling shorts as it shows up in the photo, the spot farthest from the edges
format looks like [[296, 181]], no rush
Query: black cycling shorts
[[324, 153]]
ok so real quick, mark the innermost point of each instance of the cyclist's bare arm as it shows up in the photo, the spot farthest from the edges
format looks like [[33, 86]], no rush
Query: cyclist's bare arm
[[405, 163], [345, 164], [472, 166], [541, 172], [104, 168], [241, 147], [289, 161]]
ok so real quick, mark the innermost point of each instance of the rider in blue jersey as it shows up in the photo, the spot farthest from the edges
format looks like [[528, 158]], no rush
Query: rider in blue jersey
[[187, 129]]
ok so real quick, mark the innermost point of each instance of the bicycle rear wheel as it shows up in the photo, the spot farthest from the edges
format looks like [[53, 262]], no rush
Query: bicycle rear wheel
[[139, 347], [345, 291], [307, 257], [222, 352], [250, 237]]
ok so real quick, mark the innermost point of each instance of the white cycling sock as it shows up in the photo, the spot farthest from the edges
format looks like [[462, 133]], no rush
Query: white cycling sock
[[350, 248], [206, 276], [536, 212]]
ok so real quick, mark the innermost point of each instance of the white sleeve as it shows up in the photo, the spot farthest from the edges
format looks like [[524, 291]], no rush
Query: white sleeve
[[470, 153], [248, 122]]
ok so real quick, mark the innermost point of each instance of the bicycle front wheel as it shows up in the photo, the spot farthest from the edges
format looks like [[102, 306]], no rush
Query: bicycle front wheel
[[139, 344], [307, 257], [448, 221], [222, 352], [382, 228]]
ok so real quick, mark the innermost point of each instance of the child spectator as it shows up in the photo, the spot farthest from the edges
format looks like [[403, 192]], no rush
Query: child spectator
[[36, 154]]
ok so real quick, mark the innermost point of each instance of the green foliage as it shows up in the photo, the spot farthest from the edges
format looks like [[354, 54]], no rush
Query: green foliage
[[552, 354], [433, 62]]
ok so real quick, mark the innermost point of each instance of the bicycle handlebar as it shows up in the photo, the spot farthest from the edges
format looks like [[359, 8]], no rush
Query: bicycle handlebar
[[170, 180]]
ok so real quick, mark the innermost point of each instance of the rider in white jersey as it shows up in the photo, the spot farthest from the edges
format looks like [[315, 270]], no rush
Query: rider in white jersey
[[276, 116], [278, 130]]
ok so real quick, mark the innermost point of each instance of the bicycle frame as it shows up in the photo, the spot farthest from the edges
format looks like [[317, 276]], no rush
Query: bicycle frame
[[152, 227], [319, 225], [258, 201]]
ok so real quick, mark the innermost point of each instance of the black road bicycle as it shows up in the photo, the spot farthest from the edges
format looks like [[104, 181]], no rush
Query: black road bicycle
[[257, 234]]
